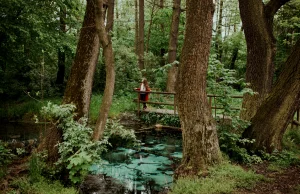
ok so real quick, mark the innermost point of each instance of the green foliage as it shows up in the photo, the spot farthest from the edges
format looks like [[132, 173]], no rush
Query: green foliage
[[36, 166], [291, 140], [43, 186], [164, 119], [77, 151], [30, 38], [118, 136], [224, 178], [6, 156], [122, 102]]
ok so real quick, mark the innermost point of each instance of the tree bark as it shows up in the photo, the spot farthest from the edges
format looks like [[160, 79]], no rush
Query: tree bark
[[200, 141], [173, 41], [141, 35], [136, 18], [257, 21], [150, 27], [106, 44], [218, 41], [79, 86], [276, 112], [60, 76]]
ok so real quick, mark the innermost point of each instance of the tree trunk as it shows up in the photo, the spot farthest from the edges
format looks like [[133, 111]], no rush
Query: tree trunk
[[200, 141], [173, 41], [136, 18], [257, 21], [150, 27], [106, 44], [141, 35], [276, 112], [61, 54], [79, 86], [218, 41]]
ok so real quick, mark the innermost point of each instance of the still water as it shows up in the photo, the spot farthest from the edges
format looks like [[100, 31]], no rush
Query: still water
[[148, 168]]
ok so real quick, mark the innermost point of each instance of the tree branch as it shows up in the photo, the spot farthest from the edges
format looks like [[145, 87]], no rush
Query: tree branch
[[273, 6]]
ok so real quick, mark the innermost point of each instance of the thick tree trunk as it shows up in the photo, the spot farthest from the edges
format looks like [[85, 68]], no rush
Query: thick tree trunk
[[200, 141], [106, 44], [257, 21], [173, 41], [79, 86], [274, 115], [141, 35]]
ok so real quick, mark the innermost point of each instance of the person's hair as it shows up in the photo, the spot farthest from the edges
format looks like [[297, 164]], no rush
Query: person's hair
[[145, 82]]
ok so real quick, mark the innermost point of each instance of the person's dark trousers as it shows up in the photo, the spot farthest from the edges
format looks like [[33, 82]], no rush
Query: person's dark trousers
[[143, 98]]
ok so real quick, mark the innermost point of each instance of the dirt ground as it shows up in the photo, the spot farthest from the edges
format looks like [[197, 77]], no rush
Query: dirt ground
[[284, 181]]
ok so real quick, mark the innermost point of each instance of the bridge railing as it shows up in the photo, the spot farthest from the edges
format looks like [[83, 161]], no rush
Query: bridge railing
[[167, 98]]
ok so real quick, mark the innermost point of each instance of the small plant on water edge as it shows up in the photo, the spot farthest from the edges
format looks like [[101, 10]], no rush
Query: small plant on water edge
[[117, 135], [154, 118]]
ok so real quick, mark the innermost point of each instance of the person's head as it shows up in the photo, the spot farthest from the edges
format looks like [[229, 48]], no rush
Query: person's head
[[144, 81]]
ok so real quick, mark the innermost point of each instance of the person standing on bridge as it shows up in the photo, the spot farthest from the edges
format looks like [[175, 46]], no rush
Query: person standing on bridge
[[144, 88]]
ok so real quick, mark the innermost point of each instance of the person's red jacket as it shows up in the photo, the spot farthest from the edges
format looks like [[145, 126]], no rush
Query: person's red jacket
[[147, 94]]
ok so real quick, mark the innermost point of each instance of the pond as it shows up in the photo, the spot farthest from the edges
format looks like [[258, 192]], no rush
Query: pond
[[147, 169]]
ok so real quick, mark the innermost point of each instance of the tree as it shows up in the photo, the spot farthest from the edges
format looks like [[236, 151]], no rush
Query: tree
[[141, 34], [257, 19], [105, 40], [173, 46], [79, 86], [275, 113], [218, 41], [200, 141]]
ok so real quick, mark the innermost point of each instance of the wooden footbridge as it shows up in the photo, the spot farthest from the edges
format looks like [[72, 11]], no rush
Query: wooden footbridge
[[163, 103]]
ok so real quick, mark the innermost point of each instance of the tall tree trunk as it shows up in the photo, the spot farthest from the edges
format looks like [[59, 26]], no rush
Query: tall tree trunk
[[218, 41], [274, 115], [106, 44], [60, 76], [79, 86], [150, 27], [200, 141], [136, 18], [257, 21], [141, 34], [173, 41]]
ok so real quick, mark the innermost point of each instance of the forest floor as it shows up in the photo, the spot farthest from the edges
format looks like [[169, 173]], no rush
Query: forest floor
[[283, 181]]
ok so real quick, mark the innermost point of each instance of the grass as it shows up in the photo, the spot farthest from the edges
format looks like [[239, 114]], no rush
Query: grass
[[43, 186], [27, 108], [24, 109], [119, 105], [224, 178]]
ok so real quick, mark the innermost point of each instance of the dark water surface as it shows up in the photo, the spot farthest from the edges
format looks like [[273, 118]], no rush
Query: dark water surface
[[147, 169], [20, 130]]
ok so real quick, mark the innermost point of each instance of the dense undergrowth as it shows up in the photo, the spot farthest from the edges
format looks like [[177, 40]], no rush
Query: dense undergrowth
[[224, 178]]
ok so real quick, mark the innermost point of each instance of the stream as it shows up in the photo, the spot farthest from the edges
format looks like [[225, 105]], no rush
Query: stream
[[147, 169]]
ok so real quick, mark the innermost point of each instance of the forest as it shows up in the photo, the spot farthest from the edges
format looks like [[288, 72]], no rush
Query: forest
[[219, 82]]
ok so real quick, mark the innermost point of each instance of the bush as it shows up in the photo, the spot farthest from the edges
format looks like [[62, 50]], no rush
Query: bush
[[6, 157]]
